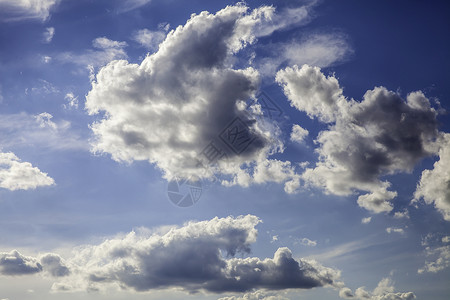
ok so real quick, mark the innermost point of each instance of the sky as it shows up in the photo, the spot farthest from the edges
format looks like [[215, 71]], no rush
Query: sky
[[224, 150]]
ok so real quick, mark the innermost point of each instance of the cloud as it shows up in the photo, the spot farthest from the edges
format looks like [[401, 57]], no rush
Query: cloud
[[20, 10], [440, 259], [383, 291], [48, 34], [54, 265], [320, 50], [308, 242], [381, 135], [257, 295], [184, 97], [197, 256], [105, 50], [404, 214], [396, 230], [24, 131], [151, 39], [72, 101], [366, 220], [14, 263], [18, 175], [298, 134], [434, 185], [129, 5]]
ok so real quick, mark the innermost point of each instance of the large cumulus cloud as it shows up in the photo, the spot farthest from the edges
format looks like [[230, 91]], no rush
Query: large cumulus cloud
[[168, 108], [196, 256], [380, 135], [434, 185], [187, 95]]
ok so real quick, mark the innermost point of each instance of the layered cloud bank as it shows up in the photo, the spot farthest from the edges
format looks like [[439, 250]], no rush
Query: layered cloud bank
[[380, 135], [197, 256]]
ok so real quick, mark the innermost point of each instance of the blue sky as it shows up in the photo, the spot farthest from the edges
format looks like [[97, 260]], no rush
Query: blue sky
[[341, 191]]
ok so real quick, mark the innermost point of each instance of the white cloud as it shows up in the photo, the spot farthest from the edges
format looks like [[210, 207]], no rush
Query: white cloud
[[439, 259], [404, 214], [105, 50], [395, 230], [257, 295], [383, 291], [170, 107], [434, 185], [446, 239], [310, 91], [72, 101], [381, 135], [320, 50], [308, 242], [191, 257], [128, 5], [151, 39], [366, 220], [48, 34], [19, 10], [25, 131], [18, 175], [298, 134]]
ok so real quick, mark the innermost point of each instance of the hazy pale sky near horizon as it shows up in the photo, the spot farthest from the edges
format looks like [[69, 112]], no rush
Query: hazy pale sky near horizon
[[314, 137]]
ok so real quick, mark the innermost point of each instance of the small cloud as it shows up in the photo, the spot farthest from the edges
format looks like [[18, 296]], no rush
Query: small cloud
[[274, 238], [366, 220], [396, 230], [151, 39], [308, 242], [298, 134], [46, 59], [402, 214], [72, 101], [446, 239], [48, 34]]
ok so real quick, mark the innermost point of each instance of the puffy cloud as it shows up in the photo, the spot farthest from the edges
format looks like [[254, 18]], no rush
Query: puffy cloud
[[18, 175], [18, 10], [151, 39], [310, 91], [184, 97], [381, 135], [14, 263], [308, 242], [383, 291], [434, 185], [366, 220], [105, 50], [404, 214], [298, 133], [54, 265], [346, 293], [48, 34], [440, 259], [197, 256], [396, 230]]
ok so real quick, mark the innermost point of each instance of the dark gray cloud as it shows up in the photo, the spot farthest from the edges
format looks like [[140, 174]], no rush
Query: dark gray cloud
[[381, 135], [197, 256], [54, 265]]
